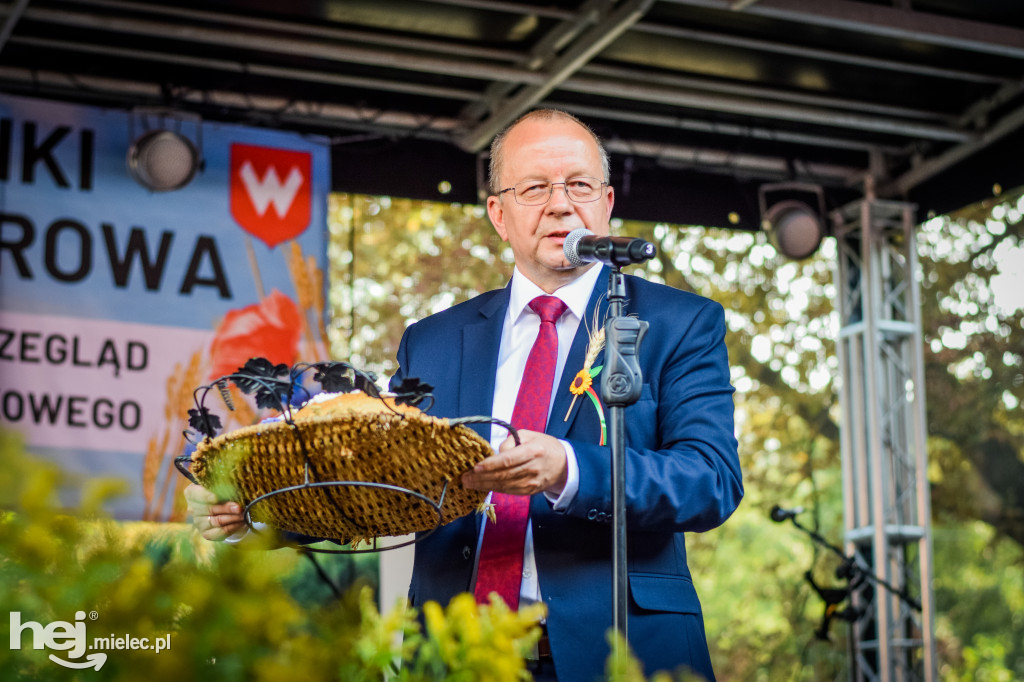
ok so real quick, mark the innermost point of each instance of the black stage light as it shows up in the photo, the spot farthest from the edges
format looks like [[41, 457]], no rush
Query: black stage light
[[794, 227]]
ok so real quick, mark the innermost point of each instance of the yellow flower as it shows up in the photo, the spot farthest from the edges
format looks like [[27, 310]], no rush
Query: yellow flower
[[434, 616], [581, 383]]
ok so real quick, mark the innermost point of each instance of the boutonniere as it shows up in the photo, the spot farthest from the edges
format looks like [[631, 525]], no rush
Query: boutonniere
[[583, 382]]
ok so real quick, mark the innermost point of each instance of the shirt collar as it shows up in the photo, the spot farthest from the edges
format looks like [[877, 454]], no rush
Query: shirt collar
[[575, 294]]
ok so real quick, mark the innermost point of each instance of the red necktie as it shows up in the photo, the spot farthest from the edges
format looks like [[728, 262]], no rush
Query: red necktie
[[501, 555]]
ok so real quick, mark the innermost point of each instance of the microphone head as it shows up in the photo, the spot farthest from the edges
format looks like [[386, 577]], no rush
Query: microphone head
[[570, 247], [779, 514]]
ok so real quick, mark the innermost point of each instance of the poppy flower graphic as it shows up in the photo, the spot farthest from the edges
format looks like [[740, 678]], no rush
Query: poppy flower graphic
[[270, 329]]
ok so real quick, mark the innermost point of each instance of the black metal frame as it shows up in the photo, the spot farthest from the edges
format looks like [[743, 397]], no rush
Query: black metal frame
[[275, 388]]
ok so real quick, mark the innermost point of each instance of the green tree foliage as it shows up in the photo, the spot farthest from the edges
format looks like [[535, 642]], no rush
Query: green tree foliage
[[974, 373], [397, 260], [394, 261], [975, 367]]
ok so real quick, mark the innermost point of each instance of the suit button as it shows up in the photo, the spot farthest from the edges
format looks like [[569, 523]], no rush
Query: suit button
[[466, 552], [592, 514]]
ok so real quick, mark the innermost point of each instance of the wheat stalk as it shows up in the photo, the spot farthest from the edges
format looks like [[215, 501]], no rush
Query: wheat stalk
[[595, 344], [300, 276], [179, 400], [594, 348]]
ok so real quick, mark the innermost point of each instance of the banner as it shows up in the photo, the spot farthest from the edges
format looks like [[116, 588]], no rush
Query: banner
[[116, 301]]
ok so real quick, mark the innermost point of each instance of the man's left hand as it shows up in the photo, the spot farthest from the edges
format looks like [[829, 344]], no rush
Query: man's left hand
[[537, 464]]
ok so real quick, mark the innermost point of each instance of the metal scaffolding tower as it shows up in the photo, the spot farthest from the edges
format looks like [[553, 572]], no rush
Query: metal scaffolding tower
[[887, 506]]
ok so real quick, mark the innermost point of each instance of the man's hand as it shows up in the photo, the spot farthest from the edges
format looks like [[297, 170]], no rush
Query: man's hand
[[538, 464], [214, 519]]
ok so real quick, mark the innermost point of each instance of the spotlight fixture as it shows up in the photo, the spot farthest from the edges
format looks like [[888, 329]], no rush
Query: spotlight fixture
[[163, 159], [793, 226]]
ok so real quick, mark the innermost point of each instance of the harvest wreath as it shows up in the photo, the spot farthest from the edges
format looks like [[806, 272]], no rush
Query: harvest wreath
[[351, 464]]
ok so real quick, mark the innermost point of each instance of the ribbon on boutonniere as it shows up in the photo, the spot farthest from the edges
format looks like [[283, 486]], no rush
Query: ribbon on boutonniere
[[583, 382]]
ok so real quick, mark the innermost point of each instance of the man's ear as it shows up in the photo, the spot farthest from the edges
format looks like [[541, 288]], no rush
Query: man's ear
[[497, 215], [610, 201]]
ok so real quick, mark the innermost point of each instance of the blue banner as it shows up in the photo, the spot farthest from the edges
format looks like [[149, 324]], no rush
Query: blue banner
[[117, 301]]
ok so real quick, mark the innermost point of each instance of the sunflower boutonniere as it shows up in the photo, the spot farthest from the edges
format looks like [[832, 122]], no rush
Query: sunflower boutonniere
[[583, 382]]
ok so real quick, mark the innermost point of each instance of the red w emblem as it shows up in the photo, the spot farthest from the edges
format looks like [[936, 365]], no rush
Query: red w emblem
[[271, 191]]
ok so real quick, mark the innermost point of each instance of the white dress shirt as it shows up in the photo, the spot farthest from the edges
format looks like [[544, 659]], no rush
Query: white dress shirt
[[518, 334]]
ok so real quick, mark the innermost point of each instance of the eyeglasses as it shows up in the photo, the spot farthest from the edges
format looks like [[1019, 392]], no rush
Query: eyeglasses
[[581, 190]]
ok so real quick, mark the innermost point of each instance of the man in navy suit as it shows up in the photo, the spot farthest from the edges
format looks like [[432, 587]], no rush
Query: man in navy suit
[[549, 176]]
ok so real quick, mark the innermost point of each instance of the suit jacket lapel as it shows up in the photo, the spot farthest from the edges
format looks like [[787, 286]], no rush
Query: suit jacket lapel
[[558, 424], [479, 360], [480, 343]]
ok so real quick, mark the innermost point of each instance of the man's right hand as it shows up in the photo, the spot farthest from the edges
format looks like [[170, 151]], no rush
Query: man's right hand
[[213, 518]]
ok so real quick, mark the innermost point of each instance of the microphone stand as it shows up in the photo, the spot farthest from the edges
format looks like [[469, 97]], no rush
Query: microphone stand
[[851, 569], [620, 387]]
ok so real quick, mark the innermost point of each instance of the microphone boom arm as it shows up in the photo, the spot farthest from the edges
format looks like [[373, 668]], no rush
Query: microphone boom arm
[[854, 568]]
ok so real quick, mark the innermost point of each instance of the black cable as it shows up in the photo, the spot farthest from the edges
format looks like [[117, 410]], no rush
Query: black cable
[[321, 572]]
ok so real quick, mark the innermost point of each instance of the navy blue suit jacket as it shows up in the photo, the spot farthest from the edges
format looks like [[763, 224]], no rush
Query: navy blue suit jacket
[[682, 474]]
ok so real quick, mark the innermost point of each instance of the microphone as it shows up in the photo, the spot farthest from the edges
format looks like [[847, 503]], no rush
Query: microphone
[[583, 246], [779, 514]]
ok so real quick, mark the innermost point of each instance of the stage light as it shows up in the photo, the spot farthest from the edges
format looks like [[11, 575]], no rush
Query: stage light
[[163, 160], [165, 149], [793, 226]]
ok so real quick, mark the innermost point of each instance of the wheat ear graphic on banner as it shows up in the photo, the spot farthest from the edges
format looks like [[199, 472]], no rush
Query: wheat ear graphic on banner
[[583, 382]]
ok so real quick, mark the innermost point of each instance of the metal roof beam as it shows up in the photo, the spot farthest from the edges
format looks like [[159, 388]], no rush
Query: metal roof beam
[[11, 21], [978, 112], [530, 62], [737, 105], [295, 28], [900, 24], [540, 56], [342, 116], [582, 50], [802, 52], [663, 121], [935, 165], [727, 129], [329, 51], [537, 84], [739, 41], [735, 163], [450, 48], [550, 12], [320, 114], [286, 73], [760, 93]]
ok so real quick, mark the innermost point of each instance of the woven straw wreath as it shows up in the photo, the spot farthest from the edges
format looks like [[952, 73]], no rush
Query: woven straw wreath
[[350, 437]]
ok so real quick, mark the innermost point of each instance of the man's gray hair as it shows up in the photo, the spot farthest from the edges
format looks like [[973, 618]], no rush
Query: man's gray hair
[[498, 145]]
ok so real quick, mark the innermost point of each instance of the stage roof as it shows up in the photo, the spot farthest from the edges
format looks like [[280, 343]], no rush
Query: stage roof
[[701, 102]]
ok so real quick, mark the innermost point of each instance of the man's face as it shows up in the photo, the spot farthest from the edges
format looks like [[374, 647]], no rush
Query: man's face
[[550, 151]]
